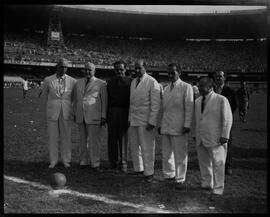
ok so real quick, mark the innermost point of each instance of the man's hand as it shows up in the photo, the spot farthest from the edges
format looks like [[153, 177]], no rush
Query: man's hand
[[185, 130], [223, 140], [102, 122], [149, 127]]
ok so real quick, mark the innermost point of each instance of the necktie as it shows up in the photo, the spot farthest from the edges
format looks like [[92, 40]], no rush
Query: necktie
[[203, 101], [87, 81], [61, 85], [138, 81], [172, 86]]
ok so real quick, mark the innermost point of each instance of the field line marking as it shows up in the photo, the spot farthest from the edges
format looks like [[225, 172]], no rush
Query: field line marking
[[87, 195]]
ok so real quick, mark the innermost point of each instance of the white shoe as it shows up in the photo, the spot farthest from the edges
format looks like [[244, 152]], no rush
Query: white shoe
[[66, 165]]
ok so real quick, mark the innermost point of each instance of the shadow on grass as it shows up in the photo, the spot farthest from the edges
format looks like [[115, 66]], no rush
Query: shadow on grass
[[249, 153]]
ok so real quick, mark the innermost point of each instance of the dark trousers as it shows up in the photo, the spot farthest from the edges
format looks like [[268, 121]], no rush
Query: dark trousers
[[117, 128], [228, 163]]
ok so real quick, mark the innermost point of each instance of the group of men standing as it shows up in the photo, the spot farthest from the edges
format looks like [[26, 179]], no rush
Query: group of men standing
[[133, 110]]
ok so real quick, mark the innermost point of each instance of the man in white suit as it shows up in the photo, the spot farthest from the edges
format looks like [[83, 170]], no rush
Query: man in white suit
[[58, 93], [90, 108], [143, 116], [213, 121], [176, 119]]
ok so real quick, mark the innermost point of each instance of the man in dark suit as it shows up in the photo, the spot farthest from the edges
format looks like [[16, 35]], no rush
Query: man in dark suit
[[118, 107], [229, 93]]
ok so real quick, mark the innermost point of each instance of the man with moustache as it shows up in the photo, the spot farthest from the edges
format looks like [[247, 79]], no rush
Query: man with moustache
[[118, 89]]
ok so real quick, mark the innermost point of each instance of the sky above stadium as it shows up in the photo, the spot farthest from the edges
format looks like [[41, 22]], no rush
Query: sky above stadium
[[168, 9]]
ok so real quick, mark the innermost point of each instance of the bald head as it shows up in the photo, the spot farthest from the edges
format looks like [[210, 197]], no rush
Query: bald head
[[139, 68], [205, 85], [62, 66], [89, 70]]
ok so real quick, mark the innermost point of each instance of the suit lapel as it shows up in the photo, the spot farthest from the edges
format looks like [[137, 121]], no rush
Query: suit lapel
[[90, 85], [209, 102]]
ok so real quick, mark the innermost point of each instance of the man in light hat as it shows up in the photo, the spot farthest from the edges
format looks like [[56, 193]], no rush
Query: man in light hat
[[90, 108], [58, 90]]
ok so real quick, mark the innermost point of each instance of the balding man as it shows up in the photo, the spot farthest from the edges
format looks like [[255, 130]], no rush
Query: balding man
[[90, 108], [58, 91], [213, 122], [143, 116]]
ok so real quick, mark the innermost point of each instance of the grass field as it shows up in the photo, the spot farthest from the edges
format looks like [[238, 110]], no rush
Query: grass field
[[26, 157]]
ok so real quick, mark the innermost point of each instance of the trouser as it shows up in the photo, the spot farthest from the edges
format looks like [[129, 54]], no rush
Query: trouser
[[117, 130], [59, 128], [24, 93], [243, 107], [142, 144], [228, 164], [212, 166], [89, 144], [174, 157]]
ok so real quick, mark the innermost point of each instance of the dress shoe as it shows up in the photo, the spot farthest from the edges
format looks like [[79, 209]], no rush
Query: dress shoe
[[206, 187], [66, 165], [149, 179], [215, 197], [170, 179], [136, 173], [51, 166], [180, 185], [83, 166], [228, 171]]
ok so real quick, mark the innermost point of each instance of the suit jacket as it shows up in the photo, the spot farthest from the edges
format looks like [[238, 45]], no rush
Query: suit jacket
[[214, 122], [229, 93], [144, 101], [177, 108], [56, 102], [90, 102]]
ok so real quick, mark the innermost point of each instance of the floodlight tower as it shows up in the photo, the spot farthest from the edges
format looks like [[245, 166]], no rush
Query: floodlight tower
[[55, 34]]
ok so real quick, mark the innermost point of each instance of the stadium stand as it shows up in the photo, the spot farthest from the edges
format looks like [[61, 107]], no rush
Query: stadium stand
[[238, 56]]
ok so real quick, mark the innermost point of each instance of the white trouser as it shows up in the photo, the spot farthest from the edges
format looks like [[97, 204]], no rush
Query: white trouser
[[212, 166], [174, 157], [60, 128], [142, 145], [89, 144]]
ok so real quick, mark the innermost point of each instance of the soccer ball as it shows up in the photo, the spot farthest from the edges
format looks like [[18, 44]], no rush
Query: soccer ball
[[58, 180]]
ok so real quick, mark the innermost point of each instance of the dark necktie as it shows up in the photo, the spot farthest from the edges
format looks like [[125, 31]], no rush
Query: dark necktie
[[138, 81], [87, 81], [61, 85], [172, 86], [203, 104]]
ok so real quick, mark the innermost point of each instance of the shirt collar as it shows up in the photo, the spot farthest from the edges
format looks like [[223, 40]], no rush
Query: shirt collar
[[61, 77], [208, 95]]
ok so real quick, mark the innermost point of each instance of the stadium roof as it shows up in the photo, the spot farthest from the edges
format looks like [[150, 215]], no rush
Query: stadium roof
[[208, 22]]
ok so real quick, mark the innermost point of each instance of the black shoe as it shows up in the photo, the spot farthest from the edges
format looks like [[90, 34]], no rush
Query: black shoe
[[215, 197], [83, 167], [96, 169], [136, 173], [228, 171], [149, 179], [180, 185], [170, 179]]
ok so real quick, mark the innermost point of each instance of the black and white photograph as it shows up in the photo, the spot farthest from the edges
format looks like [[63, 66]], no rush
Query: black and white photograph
[[135, 108]]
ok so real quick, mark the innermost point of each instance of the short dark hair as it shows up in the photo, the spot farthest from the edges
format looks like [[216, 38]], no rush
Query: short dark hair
[[119, 63], [208, 80], [172, 65]]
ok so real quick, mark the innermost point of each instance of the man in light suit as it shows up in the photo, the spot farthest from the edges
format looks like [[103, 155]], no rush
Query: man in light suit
[[176, 119], [213, 121], [90, 108], [224, 90], [143, 116], [58, 93]]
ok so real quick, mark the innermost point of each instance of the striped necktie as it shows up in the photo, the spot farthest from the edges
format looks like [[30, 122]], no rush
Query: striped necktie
[[138, 81]]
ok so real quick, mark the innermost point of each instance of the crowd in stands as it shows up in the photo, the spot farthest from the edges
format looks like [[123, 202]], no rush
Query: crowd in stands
[[190, 56]]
